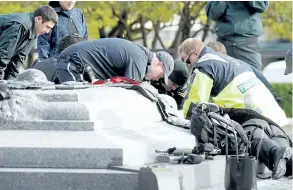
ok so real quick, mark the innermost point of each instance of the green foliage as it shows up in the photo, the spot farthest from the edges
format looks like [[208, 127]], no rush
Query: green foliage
[[284, 90], [277, 20], [154, 10], [18, 6], [101, 15], [98, 14]]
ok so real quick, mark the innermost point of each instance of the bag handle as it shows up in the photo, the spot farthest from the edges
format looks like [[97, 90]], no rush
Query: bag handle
[[260, 142], [226, 142], [227, 123], [236, 142]]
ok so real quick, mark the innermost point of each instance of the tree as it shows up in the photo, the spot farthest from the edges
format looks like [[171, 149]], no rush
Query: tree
[[189, 14], [128, 19], [277, 20], [134, 20], [18, 6]]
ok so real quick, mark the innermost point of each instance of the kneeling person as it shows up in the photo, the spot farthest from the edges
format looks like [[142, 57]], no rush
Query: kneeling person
[[48, 66], [177, 85], [109, 57]]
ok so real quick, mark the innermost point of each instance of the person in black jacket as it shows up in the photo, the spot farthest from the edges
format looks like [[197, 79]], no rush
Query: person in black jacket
[[109, 57], [71, 20], [238, 26], [18, 33], [48, 66], [177, 85]]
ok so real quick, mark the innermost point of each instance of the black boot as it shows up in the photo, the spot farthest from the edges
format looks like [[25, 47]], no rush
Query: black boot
[[281, 157], [289, 166]]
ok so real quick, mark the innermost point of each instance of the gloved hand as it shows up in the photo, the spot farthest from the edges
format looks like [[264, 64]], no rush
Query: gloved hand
[[88, 74], [4, 92]]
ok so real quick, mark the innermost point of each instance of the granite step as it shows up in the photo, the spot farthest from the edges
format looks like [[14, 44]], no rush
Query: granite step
[[59, 125], [57, 149], [66, 179]]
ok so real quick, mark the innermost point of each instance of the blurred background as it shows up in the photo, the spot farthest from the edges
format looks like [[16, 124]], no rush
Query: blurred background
[[165, 24]]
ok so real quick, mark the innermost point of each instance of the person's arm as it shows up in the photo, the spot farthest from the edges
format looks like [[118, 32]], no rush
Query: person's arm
[[215, 9], [44, 46], [8, 42], [259, 6], [200, 91], [13, 68], [84, 26], [180, 96], [18, 60]]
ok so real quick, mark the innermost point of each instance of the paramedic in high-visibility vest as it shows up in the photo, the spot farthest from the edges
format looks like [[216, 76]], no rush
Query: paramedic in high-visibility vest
[[226, 82], [221, 79]]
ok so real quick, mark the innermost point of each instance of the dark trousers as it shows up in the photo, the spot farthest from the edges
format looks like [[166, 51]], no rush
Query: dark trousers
[[246, 49], [269, 140], [68, 72], [71, 71]]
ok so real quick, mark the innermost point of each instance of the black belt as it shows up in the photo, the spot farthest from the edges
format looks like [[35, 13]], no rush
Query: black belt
[[247, 40]]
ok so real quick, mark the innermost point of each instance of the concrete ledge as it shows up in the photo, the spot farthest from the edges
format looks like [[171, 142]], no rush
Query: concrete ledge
[[66, 179], [57, 149], [59, 125], [206, 174], [50, 95], [269, 184]]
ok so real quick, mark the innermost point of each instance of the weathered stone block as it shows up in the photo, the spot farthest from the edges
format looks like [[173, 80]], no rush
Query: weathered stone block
[[57, 149], [66, 179], [66, 125]]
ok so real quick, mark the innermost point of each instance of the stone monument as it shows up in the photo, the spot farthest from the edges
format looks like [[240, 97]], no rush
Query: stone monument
[[84, 137]]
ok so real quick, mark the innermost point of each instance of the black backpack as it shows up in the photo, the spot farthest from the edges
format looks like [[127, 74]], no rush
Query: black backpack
[[208, 124]]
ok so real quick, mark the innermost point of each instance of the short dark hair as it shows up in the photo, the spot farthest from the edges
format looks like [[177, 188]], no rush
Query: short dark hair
[[217, 47], [47, 13], [68, 41]]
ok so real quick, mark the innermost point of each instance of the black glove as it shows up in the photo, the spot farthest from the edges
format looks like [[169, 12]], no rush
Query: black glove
[[89, 74], [4, 93]]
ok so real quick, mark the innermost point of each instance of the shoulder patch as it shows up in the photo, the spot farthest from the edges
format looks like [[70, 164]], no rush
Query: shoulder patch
[[248, 84], [210, 56]]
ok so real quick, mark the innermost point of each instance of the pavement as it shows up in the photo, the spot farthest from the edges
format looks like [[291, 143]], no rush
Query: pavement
[[281, 184]]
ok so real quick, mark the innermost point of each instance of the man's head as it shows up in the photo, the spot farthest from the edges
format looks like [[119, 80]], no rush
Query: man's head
[[67, 5], [68, 41], [45, 19], [288, 60], [190, 50], [217, 47], [178, 77], [161, 66]]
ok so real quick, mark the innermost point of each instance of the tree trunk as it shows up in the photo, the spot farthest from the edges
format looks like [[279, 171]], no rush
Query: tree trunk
[[157, 34], [183, 25], [155, 40], [119, 30], [206, 30], [102, 32], [143, 34]]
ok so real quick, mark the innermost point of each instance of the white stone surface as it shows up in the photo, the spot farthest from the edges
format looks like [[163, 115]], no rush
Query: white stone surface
[[133, 122]]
